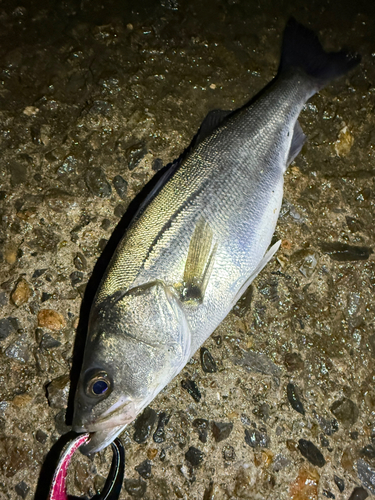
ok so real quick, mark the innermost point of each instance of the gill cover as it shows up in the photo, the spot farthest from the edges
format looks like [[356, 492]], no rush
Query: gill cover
[[137, 342]]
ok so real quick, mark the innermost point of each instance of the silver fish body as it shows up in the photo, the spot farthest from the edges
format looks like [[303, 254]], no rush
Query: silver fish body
[[194, 247]]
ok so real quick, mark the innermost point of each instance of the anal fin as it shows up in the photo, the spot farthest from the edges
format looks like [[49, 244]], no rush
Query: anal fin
[[298, 140], [267, 257], [199, 262]]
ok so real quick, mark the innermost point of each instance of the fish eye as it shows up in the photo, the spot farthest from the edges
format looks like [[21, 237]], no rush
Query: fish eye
[[98, 384]]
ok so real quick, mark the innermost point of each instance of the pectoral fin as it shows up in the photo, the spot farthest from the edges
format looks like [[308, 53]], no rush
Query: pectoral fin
[[267, 257], [199, 262], [298, 140]]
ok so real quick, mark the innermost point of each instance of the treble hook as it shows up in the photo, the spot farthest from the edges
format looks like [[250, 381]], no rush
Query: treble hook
[[113, 484]]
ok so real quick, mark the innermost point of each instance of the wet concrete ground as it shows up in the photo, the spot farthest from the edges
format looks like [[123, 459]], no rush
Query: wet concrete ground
[[93, 100]]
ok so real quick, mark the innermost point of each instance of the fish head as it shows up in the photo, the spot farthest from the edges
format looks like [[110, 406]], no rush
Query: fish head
[[137, 342]]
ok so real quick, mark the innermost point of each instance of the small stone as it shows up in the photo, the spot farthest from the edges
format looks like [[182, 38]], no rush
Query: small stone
[[80, 261], [243, 305], [346, 411], [144, 424], [159, 434], [106, 224], [311, 452], [134, 155], [120, 210], [229, 454], [41, 436], [135, 487], [60, 423], [344, 142], [3, 299], [305, 486], [353, 224], [58, 392], [76, 277], [48, 318], [280, 462], [102, 244], [194, 456], [46, 296], [328, 494], [38, 273], [48, 342], [328, 426], [294, 398], [97, 183], [162, 455], [151, 453], [257, 438], [358, 493], [366, 474], [262, 411], [221, 430], [342, 252], [258, 362], [121, 186], [207, 361], [144, 469], [368, 452], [21, 293], [293, 362], [348, 457], [7, 327], [22, 489], [157, 164], [340, 483], [202, 427], [19, 350], [191, 387]]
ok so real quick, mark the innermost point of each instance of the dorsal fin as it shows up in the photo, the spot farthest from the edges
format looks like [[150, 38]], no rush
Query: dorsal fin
[[210, 123]]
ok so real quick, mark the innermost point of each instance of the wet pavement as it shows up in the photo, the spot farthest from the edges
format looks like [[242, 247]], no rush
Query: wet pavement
[[94, 99]]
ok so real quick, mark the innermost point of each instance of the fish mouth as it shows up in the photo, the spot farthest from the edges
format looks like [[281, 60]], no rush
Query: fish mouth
[[109, 425]]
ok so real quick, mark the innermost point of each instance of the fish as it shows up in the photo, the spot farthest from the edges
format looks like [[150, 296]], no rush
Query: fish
[[196, 243]]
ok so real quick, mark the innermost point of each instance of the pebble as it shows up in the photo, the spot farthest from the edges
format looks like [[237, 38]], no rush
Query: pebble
[[60, 424], [328, 426], [144, 469], [294, 399], [38, 272], [21, 293], [229, 454], [244, 304], [202, 427], [120, 210], [106, 224], [121, 186], [311, 452], [58, 392], [280, 462], [346, 411], [134, 155], [48, 318], [159, 434], [157, 164], [366, 474], [221, 430], [194, 456], [76, 277], [7, 327], [207, 361], [257, 438], [368, 452], [305, 486], [19, 350], [151, 453], [80, 261], [48, 342], [342, 252], [144, 424], [22, 489], [191, 387], [358, 493], [340, 483], [41, 436], [135, 487], [353, 224], [97, 183], [257, 362], [328, 494]]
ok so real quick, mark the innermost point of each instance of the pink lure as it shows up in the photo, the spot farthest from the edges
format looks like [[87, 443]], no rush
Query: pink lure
[[58, 486]]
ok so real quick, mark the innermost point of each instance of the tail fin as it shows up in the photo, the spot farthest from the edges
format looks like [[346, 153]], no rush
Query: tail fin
[[302, 49]]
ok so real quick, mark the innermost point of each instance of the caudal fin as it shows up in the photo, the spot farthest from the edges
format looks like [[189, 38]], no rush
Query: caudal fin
[[302, 49]]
